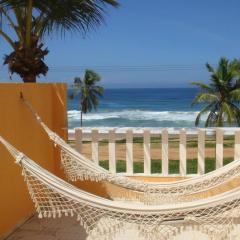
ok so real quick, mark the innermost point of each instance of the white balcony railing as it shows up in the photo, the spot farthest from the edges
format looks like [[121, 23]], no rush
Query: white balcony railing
[[81, 135]]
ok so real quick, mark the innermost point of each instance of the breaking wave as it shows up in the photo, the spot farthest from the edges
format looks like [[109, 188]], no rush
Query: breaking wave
[[135, 115]]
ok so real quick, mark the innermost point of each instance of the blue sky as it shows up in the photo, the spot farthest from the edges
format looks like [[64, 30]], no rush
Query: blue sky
[[168, 42]]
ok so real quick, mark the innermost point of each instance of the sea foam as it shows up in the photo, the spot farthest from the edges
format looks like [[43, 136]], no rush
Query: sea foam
[[136, 115]]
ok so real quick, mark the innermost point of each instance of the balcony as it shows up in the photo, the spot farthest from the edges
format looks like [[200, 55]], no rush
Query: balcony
[[158, 153], [133, 153]]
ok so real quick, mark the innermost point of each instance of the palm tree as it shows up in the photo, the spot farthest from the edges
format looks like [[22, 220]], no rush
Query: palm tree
[[221, 97], [89, 91], [32, 20]]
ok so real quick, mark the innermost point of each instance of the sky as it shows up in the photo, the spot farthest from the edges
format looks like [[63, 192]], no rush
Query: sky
[[147, 44]]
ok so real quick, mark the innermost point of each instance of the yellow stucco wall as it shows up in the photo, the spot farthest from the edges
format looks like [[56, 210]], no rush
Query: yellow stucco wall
[[19, 127]]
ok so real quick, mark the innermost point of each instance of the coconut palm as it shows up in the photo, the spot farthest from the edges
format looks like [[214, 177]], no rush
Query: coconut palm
[[32, 20], [221, 97], [89, 91]]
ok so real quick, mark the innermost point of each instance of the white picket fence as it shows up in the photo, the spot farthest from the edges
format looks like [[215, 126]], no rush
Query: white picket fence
[[95, 135]]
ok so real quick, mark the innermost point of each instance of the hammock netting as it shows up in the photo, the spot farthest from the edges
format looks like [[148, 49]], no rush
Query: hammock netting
[[147, 192], [78, 167], [103, 218]]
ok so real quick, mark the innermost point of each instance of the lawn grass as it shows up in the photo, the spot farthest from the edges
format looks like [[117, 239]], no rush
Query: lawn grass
[[156, 166]]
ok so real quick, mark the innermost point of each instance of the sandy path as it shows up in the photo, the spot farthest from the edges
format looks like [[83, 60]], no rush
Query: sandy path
[[155, 152]]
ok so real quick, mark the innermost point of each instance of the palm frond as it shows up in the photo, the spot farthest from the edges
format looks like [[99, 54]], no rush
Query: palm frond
[[236, 112], [203, 86], [205, 98], [210, 68], [223, 92], [227, 109], [91, 77], [220, 117], [72, 15], [98, 90], [235, 94], [203, 111], [211, 119]]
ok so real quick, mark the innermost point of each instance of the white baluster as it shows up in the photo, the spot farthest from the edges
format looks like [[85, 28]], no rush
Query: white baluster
[[201, 151], [129, 151], [112, 151], [237, 145], [165, 152], [146, 149], [183, 152], [95, 146], [219, 148]]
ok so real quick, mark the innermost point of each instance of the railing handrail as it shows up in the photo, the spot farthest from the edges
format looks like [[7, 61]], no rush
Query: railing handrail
[[154, 131]]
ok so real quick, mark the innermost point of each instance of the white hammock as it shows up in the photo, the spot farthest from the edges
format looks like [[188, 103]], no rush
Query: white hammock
[[76, 166], [103, 218]]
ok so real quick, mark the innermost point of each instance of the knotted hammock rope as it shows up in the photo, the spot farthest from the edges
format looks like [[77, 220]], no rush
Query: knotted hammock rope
[[78, 167], [103, 218]]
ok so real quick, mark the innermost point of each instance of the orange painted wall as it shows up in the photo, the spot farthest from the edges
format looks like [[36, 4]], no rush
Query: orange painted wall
[[18, 126]]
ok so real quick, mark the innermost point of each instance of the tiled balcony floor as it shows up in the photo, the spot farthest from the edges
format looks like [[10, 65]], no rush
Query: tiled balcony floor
[[64, 228], [67, 228]]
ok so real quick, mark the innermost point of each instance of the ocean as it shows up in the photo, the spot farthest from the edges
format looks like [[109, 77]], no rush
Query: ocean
[[138, 108]]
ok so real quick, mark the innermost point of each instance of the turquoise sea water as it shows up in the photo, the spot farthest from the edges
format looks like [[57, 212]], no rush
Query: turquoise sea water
[[139, 108]]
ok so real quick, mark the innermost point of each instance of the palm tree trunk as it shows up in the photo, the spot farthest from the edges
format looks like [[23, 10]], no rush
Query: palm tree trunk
[[29, 23], [30, 78], [81, 118]]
